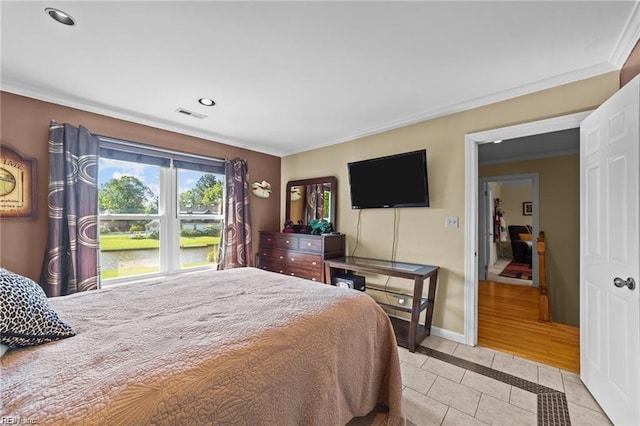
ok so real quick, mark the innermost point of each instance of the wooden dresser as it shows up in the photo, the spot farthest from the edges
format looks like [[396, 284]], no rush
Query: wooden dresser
[[299, 255]]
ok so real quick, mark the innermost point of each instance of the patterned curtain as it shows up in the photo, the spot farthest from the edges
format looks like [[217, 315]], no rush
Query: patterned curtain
[[235, 249], [315, 202], [71, 260]]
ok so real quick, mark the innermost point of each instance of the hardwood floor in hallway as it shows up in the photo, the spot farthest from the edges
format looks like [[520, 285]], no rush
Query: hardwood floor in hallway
[[508, 322]]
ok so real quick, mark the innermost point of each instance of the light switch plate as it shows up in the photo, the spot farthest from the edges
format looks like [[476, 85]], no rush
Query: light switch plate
[[451, 222]]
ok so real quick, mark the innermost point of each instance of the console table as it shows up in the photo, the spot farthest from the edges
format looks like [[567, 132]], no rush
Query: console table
[[409, 334]]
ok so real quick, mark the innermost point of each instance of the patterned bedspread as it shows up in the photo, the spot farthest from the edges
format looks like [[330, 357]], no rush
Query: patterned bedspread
[[240, 346]]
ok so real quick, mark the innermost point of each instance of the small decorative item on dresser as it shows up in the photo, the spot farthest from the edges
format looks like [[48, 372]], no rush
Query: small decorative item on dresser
[[288, 226], [261, 189], [320, 226]]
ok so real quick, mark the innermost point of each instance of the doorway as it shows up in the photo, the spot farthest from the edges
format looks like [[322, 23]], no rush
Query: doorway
[[508, 226], [473, 203]]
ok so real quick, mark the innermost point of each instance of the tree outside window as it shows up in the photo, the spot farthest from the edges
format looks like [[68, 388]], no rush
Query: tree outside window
[[137, 212]]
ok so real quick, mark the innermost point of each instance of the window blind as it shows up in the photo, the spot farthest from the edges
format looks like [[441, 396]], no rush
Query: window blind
[[145, 154]]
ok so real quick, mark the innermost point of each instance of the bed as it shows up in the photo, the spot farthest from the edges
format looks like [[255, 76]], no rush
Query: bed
[[241, 346]]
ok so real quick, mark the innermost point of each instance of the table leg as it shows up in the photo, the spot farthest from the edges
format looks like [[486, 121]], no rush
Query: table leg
[[327, 274], [433, 282], [415, 314]]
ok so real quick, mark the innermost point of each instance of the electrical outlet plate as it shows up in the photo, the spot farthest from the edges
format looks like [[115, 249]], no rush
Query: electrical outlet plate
[[451, 222]]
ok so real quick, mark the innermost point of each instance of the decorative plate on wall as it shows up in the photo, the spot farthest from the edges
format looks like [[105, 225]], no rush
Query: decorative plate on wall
[[261, 189]]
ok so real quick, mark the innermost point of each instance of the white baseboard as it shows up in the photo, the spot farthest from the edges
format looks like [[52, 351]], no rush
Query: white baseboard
[[447, 334]]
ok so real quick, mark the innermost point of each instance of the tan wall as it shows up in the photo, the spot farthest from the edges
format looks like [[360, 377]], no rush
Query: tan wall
[[559, 192], [422, 236], [512, 198], [25, 127]]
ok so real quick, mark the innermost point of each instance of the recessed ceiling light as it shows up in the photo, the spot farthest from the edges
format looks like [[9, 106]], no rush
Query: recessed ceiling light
[[206, 101], [60, 16]]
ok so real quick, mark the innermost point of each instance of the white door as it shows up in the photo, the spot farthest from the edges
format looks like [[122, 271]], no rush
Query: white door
[[610, 254]]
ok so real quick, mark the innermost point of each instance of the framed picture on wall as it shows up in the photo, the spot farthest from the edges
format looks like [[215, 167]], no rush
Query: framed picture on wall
[[17, 185], [527, 208]]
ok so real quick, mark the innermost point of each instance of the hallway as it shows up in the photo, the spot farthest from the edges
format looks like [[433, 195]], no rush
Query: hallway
[[494, 271], [508, 322]]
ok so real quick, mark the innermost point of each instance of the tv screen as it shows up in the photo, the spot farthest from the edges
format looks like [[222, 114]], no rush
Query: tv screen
[[394, 181]]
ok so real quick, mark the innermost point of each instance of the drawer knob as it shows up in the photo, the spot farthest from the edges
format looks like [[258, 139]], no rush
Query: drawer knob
[[287, 241], [293, 258], [313, 279], [281, 257], [309, 244], [293, 274], [313, 263]]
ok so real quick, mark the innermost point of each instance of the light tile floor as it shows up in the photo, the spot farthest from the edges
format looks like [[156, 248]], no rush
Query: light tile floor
[[440, 393]]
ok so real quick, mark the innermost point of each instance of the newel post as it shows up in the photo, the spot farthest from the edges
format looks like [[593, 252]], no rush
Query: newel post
[[545, 313]]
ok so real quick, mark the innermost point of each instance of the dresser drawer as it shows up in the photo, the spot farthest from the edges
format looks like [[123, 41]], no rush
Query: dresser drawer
[[310, 244], [268, 240], [274, 267], [287, 242], [313, 275], [305, 261], [273, 255]]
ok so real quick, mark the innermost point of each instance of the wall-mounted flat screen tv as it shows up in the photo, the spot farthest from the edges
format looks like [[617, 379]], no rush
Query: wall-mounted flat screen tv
[[387, 182]]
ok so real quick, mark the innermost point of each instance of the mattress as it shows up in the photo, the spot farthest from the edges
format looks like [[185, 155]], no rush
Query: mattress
[[241, 346]]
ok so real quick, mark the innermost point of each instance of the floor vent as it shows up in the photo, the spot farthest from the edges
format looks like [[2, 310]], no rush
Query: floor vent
[[191, 113]]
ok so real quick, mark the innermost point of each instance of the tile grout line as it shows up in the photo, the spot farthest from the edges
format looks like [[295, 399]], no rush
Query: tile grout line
[[552, 404]]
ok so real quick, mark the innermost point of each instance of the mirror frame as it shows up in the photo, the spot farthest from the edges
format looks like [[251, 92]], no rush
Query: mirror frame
[[324, 179]]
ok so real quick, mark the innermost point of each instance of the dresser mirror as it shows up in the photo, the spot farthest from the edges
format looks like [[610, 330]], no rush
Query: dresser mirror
[[308, 199]]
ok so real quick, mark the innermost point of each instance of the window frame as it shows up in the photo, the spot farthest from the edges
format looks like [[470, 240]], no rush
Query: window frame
[[168, 214]]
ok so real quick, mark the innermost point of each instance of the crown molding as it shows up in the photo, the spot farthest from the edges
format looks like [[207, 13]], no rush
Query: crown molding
[[134, 118], [628, 39], [526, 89], [410, 120]]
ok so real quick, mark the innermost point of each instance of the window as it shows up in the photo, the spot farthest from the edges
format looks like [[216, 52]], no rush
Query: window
[[326, 211], [200, 216], [128, 200], [159, 212]]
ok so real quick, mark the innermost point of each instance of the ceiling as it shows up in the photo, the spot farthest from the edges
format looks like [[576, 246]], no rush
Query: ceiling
[[292, 76], [552, 144]]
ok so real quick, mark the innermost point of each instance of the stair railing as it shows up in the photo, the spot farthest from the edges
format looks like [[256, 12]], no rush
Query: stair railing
[[545, 313]]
